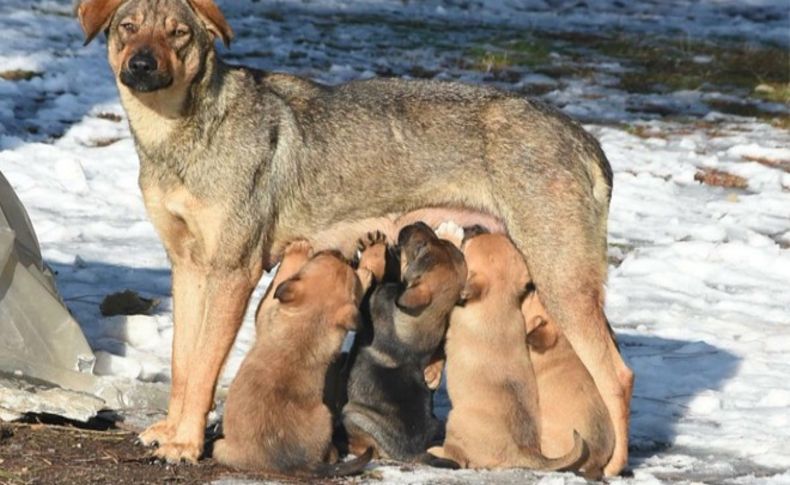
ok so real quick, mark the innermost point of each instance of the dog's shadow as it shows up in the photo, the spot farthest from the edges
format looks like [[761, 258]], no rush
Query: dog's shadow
[[671, 377]]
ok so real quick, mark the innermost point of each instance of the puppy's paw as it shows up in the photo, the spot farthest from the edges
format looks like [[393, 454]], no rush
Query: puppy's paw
[[179, 452], [300, 246], [372, 248], [450, 231], [371, 239], [156, 434]]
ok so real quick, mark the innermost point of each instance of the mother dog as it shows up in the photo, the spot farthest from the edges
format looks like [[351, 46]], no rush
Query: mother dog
[[235, 163]]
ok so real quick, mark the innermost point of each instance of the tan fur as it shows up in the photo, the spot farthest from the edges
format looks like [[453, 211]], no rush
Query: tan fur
[[281, 158], [568, 399], [494, 421], [275, 418]]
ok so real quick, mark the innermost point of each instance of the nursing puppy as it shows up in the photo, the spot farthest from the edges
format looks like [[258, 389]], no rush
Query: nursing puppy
[[393, 374], [494, 421], [275, 419], [568, 399]]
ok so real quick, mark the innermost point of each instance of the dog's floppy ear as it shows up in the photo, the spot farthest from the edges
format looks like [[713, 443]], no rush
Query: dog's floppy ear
[[415, 298], [475, 287], [540, 335], [95, 16], [212, 16], [288, 291]]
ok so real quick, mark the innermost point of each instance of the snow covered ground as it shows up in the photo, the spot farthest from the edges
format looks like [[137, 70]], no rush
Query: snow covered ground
[[699, 285]]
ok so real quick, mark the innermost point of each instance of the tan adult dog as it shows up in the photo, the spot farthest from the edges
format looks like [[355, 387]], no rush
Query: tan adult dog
[[567, 397], [494, 421], [237, 163], [275, 419]]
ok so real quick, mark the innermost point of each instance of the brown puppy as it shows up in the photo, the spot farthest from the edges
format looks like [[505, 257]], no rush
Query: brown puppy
[[494, 419], [236, 163], [391, 382], [567, 396], [275, 418]]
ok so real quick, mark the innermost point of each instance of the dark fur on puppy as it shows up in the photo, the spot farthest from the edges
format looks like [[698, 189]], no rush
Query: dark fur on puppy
[[275, 419], [390, 402]]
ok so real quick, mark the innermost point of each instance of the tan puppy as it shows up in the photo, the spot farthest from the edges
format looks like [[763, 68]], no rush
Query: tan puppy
[[275, 418], [568, 398], [494, 420]]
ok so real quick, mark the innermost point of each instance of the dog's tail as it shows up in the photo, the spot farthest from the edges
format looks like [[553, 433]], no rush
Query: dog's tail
[[571, 461], [343, 468]]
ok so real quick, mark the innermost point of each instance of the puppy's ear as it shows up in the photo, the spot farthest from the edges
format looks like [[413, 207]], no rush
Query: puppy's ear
[[288, 291], [416, 297], [475, 287], [540, 335], [95, 16], [212, 16]]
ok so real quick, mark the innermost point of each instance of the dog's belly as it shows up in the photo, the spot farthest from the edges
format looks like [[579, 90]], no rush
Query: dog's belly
[[344, 235]]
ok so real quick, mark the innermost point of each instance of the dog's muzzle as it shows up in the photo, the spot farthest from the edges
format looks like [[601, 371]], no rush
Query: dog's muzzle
[[142, 73]]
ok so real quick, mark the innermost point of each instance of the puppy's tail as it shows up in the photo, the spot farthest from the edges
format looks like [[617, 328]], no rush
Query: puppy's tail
[[343, 468], [571, 461]]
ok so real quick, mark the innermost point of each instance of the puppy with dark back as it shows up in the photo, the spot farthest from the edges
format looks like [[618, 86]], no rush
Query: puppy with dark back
[[275, 419], [390, 404], [236, 163]]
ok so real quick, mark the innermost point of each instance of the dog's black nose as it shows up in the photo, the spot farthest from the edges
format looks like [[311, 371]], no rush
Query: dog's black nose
[[143, 62]]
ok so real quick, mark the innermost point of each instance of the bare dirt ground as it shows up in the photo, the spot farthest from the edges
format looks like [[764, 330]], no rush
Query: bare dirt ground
[[36, 453]]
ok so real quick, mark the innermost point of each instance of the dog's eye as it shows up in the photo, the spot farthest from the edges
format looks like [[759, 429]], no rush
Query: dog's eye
[[181, 32], [129, 27]]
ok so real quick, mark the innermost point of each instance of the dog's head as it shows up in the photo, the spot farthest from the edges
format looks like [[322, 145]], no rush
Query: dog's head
[[326, 286], [495, 267], [155, 44], [431, 268]]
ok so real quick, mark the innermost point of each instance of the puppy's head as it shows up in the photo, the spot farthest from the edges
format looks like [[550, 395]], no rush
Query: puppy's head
[[432, 269], [155, 45], [495, 268], [327, 287]]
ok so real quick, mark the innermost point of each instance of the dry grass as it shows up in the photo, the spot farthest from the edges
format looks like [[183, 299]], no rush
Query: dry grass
[[720, 178]]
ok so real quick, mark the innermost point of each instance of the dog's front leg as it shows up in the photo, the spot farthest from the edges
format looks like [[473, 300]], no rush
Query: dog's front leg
[[225, 296], [188, 309]]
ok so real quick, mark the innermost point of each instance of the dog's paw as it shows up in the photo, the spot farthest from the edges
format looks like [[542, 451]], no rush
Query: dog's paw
[[157, 433], [450, 231], [371, 239], [176, 452], [372, 254], [300, 246]]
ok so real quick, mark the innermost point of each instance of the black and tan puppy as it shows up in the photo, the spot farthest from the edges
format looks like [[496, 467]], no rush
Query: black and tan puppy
[[494, 421], [275, 419], [389, 399]]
